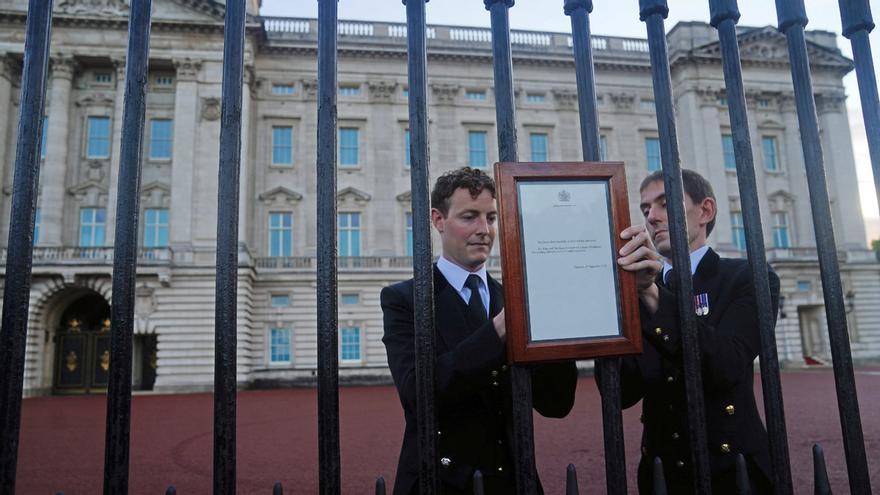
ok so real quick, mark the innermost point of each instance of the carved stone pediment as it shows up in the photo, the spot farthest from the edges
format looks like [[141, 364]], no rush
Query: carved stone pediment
[[352, 196], [830, 102], [93, 7], [280, 195], [768, 45], [781, 201], [405, 197], [156, 195], [89, 193], [382, 91], [623, 101], [95, 99], [565, 98], [187, 69], [445, 93], [709, 95], [310, 89]]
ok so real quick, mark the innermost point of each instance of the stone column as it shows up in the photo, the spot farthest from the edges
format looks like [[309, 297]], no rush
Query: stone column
[[116, 140], [57, 153], [186, 111], [382, 216], [840, 169], [9, 72], [801, 216], [246, 168]]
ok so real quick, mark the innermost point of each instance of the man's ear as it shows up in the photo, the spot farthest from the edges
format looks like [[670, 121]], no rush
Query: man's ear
[[708, 210], [437, 219]]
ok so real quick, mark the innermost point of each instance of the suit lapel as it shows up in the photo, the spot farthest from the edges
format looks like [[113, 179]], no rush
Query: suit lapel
[[704, 278], [496, 296]]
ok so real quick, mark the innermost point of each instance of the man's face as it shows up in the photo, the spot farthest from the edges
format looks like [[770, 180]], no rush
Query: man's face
[[653, 206], [468, 228]]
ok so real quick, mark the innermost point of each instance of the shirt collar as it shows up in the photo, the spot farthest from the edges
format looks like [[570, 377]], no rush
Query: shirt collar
[[457, 276], [696, 257]]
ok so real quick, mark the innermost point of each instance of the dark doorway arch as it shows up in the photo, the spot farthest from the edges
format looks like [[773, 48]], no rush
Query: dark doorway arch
[[82, 353]]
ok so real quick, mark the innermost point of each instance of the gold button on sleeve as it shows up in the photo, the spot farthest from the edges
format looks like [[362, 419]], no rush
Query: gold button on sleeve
[[730, 410], [725, 448]]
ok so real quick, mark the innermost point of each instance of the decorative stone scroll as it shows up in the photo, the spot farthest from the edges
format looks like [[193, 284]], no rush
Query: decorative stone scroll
[[382, 91], [565, 99], [210, 109], [94, 7], [187, 69], [623, 101], [445, 93]]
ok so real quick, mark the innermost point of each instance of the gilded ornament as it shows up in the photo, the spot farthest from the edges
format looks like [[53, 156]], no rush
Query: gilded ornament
[[71, 361], [105, 360]]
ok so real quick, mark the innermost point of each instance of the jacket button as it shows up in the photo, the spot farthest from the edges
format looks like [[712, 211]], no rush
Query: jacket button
[[675, 436], [670, 379], [503, 367], [494, 372], [500, 469], [439, 433], [725, 448], [730, 410], [494, 384], [500, 442], [666, 338], [679, 464], [658, 331], [445, 462]]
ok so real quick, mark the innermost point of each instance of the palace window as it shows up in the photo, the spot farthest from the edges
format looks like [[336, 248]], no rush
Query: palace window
[[282, 145], [771, 153], [780, 230], [349, 234], [280, 301], [349, 90], [475, 95], [737, 230], [349, 147], [36, 226], [350, 299], [652, 154], [407, 161], [538, 145], [44, 140], [98, 137], [350, 344], [477, 149], [160, 139], [280, 233], [283, 89], [91, 227], [535, 97], [156, 228], [603, 148], [279, 345], [729, 156], [409, 234]]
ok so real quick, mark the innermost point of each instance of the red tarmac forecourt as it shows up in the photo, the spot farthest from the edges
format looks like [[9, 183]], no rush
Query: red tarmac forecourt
[[62, 439]]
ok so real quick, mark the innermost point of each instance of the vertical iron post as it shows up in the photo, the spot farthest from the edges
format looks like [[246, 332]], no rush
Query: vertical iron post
[[13, 333], [118, 425], [423, 270], [505, 118], [612, 419], [857, 23], [226, 302], [792, 18], [724, 15], [653, 13], [328, 317]]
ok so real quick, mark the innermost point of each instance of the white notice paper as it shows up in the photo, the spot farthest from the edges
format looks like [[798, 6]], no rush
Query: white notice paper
[[569, 260]]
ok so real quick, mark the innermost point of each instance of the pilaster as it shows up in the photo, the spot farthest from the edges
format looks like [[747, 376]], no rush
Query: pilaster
[[57, 154], [186, 102], [116, 140]]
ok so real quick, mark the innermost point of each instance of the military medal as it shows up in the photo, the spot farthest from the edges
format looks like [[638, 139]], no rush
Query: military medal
[[701, 304]]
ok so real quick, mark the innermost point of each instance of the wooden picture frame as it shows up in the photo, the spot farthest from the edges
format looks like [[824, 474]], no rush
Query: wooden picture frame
[[560, 227]]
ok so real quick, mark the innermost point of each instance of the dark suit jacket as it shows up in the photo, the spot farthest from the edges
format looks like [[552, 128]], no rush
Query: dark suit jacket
[[729, 342], [472, 386]]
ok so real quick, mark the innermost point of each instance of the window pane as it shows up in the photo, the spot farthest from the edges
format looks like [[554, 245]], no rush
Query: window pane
[[771, 161], [406, 154], [350, 344], [652, 154], [729, 156], [603, 148], [538, 144], [44, 139], [409, 234], [279, 345], [477, 149], [349, 234], [351, 299], [36, 226], [91, 227], [160, 139], [98, 137], [280, 301], [282, 145], [156, 228], [348, 146], [738, 232], [280, 234], [780, 230]]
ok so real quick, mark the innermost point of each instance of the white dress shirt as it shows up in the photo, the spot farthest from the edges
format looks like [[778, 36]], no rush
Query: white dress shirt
[[457, 276]]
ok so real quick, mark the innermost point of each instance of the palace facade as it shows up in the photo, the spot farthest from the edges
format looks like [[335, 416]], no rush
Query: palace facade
[[68, 334]]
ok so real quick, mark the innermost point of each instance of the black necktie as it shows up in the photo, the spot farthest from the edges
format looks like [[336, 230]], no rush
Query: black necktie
[[475, 303]]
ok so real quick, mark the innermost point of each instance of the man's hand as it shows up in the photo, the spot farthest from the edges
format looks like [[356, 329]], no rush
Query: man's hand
[[639, 255], [498, 321]]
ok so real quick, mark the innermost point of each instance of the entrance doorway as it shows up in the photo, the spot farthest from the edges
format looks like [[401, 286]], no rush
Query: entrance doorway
[[144, 356], [814, 334], [82, 357]]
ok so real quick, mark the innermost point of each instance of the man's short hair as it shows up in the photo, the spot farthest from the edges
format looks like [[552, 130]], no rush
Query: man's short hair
[[474, 180], [694, 184]]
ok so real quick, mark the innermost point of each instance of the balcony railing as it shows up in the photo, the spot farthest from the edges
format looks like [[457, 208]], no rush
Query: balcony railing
[[91, 255]]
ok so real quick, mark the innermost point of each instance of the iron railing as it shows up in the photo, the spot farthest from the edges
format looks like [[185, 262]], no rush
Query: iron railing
[[857, 23]]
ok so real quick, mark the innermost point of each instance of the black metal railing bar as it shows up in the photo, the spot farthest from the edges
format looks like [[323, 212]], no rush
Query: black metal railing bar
[[328, 352], [612, 418], [13, 333], [724, 15], [653, 13], [118, 425], [792, 20], [226, 297]]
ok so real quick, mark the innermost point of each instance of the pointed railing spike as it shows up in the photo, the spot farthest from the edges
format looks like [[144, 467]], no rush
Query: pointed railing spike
[[820, 474], [170, 491], [478, 483], [743, 486], [571, 480], [659, 478], [277, 489], [380, 486]]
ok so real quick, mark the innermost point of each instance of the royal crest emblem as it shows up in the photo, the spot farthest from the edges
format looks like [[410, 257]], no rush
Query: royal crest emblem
[[564, 196]]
